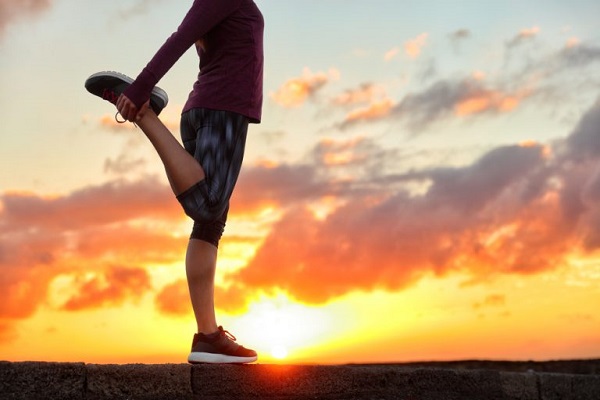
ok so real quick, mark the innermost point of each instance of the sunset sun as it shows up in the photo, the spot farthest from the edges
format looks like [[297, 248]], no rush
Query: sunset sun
[[279, 352], [279, 328]]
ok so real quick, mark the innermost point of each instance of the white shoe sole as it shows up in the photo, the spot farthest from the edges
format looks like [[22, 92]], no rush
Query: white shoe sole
[[210, 358]]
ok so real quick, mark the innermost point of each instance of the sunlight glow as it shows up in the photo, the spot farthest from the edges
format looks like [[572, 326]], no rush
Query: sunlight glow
[[279, 352], [278, 327]]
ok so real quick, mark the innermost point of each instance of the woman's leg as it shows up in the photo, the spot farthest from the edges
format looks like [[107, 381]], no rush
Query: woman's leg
[[200, 266], [217, 141], [183, 171]]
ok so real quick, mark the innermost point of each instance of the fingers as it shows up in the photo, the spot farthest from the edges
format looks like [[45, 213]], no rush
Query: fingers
[[126, 108], [142, 111]]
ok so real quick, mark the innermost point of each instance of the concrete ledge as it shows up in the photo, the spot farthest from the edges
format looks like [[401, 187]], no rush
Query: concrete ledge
[[33, 380], [138, 381], [423, 381]]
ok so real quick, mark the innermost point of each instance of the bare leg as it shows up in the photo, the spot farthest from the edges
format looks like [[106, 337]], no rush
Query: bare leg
[[183, 171], [200, 264]]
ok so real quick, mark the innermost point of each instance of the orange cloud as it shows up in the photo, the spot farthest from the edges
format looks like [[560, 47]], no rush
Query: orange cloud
[[14, 10], [296, 91], [109, 203], [174, 299], [110, 288], [365, 93], [488, 101], [91, 230], [336, 153], [527, 32], [412, 47], [376, 110], [129, 244]]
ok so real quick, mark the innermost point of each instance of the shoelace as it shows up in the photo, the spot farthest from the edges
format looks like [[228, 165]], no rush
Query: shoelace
[[227, 333], [112, 97], [124, 120], [117, 118]]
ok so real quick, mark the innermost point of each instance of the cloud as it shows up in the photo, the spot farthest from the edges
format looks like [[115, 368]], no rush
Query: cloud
[[413, 47], [487, 100], [583, 142], [523, 36], [442, 99], [459, 35], [174, 299], [265, 186], [580, 195], [296, 91], [373, 111], [544, 80], [348, 153], [97, 205], [111, 288], [391, 53], [566, 73], [95, 230], [390, 242], [363, 94], [562, 69], [373, 101], [518, 209], [577, 56], [11, 11]]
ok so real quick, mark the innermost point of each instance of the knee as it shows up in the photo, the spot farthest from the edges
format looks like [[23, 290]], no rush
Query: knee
[[200, 206], [210, 231]]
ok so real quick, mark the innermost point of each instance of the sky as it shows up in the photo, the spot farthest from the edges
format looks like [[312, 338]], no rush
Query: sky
[[424, 185]]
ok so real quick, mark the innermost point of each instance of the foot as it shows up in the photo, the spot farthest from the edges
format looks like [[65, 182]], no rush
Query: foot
[[109, 85], [219, 347]]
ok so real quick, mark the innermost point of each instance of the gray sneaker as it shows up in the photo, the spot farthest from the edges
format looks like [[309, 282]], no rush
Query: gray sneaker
[[109, 85], [219, 347]]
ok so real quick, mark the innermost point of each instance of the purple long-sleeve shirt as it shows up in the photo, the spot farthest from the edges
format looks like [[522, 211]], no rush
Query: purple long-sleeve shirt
[[231, 58]]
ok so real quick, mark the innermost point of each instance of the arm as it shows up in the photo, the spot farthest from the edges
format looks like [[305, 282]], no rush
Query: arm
[[201, 18]]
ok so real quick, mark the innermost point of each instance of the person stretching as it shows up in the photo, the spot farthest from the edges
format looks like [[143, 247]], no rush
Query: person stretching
[[226, 97]]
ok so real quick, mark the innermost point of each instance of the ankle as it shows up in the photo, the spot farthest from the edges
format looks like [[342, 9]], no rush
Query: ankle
[[208, 329]]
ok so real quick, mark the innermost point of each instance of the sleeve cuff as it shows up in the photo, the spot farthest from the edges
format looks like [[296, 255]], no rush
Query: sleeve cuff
[[139, 91]]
